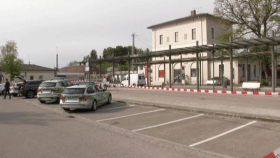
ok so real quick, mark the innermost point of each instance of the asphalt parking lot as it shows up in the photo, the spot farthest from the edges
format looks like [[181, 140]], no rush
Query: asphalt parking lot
[[226, 136]]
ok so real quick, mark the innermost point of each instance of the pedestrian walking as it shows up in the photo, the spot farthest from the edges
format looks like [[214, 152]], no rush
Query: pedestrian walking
[[7, 89], [114, 82], [105, 83]]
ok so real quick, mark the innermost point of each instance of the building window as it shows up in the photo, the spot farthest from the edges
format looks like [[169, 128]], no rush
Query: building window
[[141, 67], [212, 33], [31, 77], [185, 36], [193, 34], [41, 77], [255, 70], [167, 39], [160, 39], [193, 72], [176, 37]]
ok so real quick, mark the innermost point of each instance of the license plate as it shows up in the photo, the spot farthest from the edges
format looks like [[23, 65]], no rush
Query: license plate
[[46, 91], [72, 99]]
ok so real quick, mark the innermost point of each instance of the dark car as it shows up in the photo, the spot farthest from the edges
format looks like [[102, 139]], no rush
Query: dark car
[[29, 88]]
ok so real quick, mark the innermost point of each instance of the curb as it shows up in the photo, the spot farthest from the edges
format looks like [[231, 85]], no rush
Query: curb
[[202, 91]]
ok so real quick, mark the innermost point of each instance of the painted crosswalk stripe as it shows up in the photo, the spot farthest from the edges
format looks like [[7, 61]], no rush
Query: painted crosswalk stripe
[[222, 134], [130, 115], [167, 123]]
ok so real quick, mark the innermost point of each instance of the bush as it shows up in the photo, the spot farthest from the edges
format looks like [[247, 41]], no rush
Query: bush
[[264, 82]]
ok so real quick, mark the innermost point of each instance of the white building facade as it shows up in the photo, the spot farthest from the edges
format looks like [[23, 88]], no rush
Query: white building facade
[[185, 32]]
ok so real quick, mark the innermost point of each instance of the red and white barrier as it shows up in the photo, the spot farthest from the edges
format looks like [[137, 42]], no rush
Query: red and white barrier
[[275, 154]]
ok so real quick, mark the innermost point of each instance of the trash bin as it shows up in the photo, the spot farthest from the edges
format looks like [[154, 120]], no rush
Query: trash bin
[[225, 85]]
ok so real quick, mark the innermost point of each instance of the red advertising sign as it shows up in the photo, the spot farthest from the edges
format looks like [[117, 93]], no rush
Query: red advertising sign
[[160, 73], [145, 66]]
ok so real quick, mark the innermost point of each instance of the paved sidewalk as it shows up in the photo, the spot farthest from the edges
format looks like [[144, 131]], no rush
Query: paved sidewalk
[[253, 107], [235, 88]]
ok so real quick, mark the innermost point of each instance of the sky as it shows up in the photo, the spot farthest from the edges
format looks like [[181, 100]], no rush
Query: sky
[[72, 28]]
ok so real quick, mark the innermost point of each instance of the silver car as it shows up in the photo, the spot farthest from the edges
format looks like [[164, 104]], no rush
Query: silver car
[[84, 97], [51, 90]]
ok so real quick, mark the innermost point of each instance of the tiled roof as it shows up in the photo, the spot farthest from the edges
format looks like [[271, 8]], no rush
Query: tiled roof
[[32, 67], [78, 69], [185, 19]]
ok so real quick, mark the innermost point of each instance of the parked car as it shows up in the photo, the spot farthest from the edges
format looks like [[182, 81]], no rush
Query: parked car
[[85, 83], [215, 81], [29, 87], [2, 88], [51, 90], [84, 97], [15, 89]]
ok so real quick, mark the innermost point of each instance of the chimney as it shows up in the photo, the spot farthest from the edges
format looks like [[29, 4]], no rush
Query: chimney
[[193, 12]]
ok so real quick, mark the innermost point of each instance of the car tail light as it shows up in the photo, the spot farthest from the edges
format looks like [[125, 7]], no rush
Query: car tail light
[[56, 90], [38, 90], [85, 98], [62, 98]]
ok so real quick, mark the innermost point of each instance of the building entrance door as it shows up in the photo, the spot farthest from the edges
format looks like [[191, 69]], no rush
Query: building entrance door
[[177, 76]]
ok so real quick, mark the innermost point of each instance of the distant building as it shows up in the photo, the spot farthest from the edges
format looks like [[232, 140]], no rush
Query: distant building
[[78, 72], [32, 72]]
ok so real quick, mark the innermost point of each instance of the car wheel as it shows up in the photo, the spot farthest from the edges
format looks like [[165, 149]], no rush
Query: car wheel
[[66, 109], [41, 101], [94, 105], [30, 94], [109, 99]]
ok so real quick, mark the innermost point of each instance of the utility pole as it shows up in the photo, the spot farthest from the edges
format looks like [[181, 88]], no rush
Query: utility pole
[[56, 58], [133, 49]]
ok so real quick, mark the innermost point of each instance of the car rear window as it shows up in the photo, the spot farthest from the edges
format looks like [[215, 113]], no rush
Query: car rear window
[[48, 84], [74, 91]]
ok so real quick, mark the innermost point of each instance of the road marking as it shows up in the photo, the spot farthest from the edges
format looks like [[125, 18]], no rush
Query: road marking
[[167, 123], [107, 109], [129, 115], [222, 134]]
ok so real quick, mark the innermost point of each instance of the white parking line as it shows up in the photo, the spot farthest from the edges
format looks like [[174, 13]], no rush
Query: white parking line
[[222, 134], [107, 109], [129, 115], [167, 123]]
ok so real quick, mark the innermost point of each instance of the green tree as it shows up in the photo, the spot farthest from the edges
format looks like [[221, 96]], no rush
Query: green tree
[[73, 63], [93, 54], [252, 18], [10, 64], [119, 51]]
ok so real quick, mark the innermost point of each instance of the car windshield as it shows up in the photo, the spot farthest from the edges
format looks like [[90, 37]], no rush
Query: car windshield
[[74, 91], [48, 84]]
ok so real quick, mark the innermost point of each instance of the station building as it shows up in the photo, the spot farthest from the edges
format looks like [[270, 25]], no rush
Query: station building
[[185, 32]]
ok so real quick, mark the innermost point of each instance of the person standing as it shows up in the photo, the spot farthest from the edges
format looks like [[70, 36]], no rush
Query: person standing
[[7, 89], [105, 83]]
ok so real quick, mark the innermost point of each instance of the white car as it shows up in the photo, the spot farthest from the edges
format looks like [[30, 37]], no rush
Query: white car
[[15, 89], [2, 88], [84, 97]]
